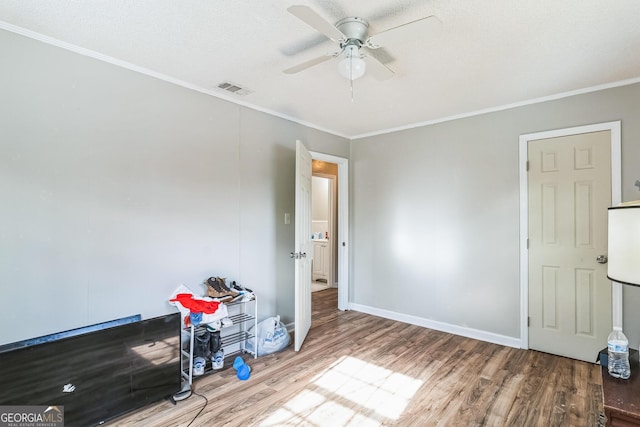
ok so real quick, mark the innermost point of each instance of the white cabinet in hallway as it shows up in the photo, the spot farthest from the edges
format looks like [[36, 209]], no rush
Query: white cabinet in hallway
[[321, 260]]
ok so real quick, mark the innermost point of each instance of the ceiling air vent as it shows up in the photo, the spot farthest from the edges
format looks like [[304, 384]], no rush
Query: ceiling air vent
[[234, 88]]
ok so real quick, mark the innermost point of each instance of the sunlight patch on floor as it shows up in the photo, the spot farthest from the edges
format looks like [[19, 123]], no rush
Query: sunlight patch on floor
[[386, 392], [311, 408], [364, 384]]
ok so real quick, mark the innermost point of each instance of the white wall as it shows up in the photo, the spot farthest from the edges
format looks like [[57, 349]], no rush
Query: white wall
[[320, 205], [435, 212], [116, 187]]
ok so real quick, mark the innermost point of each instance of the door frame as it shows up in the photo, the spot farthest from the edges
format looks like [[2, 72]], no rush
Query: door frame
[[343, 225], [616, 198]]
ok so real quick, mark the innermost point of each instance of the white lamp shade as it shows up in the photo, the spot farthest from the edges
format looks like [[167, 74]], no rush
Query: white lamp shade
[[352, 66], [624, 244]]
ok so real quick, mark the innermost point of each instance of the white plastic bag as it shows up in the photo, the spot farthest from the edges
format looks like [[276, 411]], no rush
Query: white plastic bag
[[272, 336]]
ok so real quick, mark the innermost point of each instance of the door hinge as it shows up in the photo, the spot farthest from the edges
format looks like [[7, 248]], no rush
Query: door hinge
[[528, 321], [527, 166], [527, 243]]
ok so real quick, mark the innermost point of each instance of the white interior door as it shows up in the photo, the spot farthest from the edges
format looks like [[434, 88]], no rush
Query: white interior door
[[569, 293], [303, 245]]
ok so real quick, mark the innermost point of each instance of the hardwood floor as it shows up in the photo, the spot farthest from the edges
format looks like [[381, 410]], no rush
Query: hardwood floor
[[358, 369]]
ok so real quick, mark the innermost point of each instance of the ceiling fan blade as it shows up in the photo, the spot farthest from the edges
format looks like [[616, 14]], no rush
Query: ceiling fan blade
[[400, 34], [310, 63], [378, 69], [311, 18]]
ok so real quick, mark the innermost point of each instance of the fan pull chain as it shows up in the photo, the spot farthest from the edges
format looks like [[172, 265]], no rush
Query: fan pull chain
[[351, 87], [351, 77]]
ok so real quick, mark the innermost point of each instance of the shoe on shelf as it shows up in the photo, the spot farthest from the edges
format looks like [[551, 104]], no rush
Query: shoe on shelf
[[239, 288], [245, 294], [218, 296], [223, 285], [226, 322], [217, 361], [217, 290], [199, 364]]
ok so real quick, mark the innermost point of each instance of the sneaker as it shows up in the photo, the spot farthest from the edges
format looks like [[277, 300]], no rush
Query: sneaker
[[245, 294], [214, 290], [199, 365], [218, 296], [239, 288], [222, 283], [217, 361], [226, 322]]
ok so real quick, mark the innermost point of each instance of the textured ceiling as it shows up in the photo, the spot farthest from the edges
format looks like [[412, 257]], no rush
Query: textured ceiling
[[485, 55]]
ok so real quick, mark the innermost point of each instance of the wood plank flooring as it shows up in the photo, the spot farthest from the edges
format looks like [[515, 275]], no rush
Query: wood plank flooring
[[358, 369]]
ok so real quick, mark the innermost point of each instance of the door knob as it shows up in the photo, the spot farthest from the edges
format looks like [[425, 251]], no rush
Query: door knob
[[602, 259]]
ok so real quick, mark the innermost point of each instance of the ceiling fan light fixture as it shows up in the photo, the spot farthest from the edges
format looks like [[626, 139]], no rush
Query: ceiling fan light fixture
[[352, 67]]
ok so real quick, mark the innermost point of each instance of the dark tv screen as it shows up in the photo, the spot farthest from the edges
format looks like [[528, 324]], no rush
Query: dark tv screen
[[96, 375]]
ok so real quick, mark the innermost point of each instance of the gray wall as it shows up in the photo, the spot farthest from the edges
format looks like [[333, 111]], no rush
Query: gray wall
[[116, 187], [435, 212]]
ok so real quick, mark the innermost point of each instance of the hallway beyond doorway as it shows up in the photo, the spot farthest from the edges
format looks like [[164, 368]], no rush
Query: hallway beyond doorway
[[317, 285]]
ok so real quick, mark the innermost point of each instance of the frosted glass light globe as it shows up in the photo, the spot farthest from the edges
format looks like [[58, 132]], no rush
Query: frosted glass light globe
[[352, 66]]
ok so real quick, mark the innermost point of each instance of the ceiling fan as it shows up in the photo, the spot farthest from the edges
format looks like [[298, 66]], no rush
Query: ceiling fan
[[354, 41]]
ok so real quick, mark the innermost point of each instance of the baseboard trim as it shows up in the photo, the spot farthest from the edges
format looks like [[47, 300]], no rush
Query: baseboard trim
[[290, 327], [438, 326]]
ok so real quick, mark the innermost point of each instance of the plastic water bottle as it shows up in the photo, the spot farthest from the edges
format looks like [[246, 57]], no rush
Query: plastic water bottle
[[618, 345]]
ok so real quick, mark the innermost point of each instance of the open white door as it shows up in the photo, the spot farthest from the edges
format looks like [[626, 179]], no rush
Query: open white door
[[303, 252]]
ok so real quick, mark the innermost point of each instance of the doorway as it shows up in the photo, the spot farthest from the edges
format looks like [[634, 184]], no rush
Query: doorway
[[303, 242], [562, 221], [323, 230], [326, 167]]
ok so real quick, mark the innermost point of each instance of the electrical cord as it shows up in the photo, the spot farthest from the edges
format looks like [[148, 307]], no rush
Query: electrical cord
[[206, 402]]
